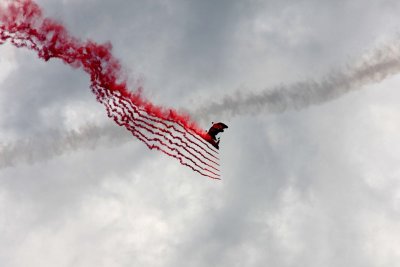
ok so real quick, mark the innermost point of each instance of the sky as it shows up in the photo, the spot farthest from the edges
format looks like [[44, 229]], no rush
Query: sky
[[310, 184]]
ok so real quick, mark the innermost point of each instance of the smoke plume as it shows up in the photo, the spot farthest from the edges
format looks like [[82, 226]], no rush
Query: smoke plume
[[23, 24], [46, 146], [372, 68]]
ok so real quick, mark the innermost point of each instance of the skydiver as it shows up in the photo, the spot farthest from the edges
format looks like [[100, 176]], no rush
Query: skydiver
[[215, 129]]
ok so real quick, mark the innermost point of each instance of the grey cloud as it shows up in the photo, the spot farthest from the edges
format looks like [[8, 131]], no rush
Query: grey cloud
[[314, 187], [29, 104]]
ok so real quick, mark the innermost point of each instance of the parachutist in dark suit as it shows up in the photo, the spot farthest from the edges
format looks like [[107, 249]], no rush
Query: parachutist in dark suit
[[215, 129]]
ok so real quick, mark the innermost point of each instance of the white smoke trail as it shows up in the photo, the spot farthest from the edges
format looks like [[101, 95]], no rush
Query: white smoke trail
[[48, 146], [372, 68]]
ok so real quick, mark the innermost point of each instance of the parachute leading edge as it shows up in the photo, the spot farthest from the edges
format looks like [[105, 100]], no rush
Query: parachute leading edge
[[215, 129]]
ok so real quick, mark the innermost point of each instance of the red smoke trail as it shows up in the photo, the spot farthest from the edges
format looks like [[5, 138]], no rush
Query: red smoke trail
[[167, 131], [23, 24], [147, 140], [208, 147], [148, 127], [113, 113], [139, 117], [127, 122], [121, 119]]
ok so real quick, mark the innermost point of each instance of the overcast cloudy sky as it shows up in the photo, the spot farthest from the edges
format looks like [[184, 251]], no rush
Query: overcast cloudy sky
[[318, 186]]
